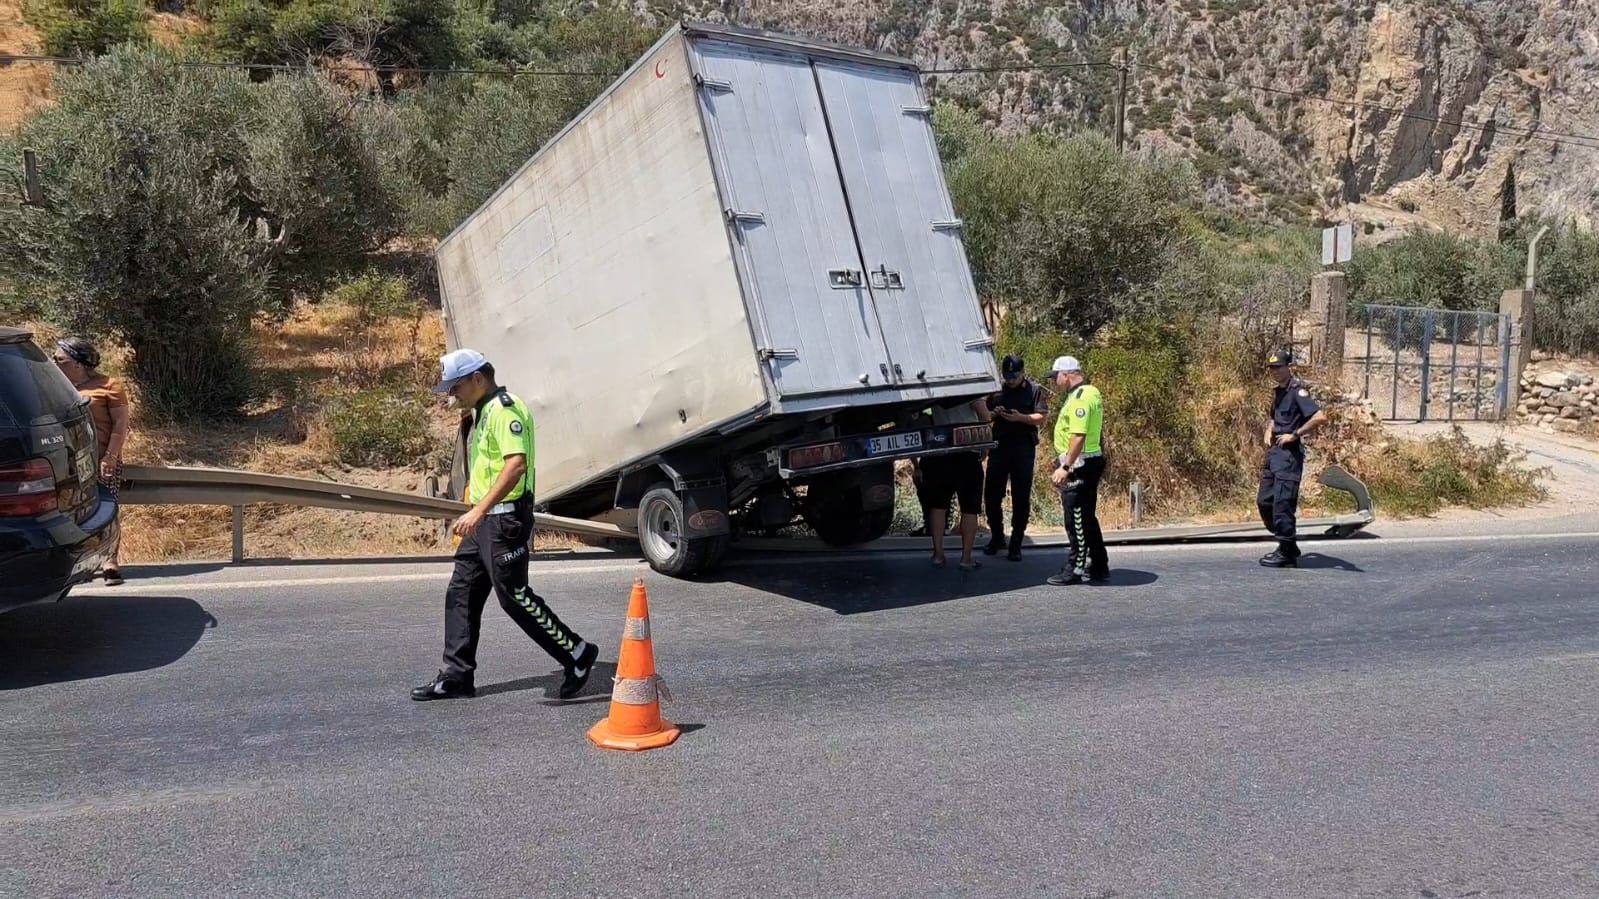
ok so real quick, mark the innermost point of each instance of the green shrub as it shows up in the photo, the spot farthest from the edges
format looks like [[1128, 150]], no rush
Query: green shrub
[[318, 166], [143, 236], [380, 427], [1066, 231], [87, 27], [1419, 477]]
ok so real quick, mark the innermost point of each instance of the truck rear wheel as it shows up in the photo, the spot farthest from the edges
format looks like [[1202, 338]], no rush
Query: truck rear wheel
[[660, 535], [838, 520]]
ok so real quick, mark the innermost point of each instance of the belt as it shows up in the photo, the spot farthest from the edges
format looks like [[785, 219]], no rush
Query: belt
[[502, 508]]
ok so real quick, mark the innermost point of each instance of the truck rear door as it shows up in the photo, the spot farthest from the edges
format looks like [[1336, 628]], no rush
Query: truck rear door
[[818, 332], [910, 241]]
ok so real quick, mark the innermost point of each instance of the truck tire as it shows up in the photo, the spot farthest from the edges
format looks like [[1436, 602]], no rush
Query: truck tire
[[660, 535], [839, 521]]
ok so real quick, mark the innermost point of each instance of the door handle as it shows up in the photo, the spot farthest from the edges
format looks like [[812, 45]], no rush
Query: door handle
[[843, 278], [884, 279]]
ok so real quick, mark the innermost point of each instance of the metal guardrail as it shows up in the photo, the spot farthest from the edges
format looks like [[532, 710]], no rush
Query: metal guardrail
[[1333, 476], [157, 486]]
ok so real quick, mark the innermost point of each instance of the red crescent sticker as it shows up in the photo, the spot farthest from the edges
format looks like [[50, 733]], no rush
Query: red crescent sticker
[[658, 72]]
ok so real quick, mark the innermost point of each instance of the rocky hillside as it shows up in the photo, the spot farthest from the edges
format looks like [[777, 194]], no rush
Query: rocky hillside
[[1512, 65]]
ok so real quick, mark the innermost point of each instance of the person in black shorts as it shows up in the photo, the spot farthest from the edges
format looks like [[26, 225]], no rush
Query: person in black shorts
[[958, 475]]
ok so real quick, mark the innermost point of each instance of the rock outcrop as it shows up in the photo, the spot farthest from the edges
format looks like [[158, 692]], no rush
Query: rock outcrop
[[1434, 102]]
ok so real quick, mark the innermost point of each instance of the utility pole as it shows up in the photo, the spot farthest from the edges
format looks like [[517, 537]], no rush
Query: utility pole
[[1121, 99]]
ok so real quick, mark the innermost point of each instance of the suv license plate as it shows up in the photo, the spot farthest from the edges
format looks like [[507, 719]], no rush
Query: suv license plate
[[893, 443]]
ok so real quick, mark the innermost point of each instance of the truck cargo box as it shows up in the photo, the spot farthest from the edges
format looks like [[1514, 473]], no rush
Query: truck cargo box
[[743, 226]]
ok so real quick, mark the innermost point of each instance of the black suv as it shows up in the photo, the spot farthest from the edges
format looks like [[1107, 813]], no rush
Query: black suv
[[57, 526]]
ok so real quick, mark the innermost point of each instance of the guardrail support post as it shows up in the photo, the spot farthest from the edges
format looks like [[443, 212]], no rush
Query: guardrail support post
[[238, 534]]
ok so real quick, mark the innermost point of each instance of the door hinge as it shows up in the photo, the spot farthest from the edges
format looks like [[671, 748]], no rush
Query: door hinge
[[948, 225], [917, 110], [712, 84], [767, 353], [978, 343]]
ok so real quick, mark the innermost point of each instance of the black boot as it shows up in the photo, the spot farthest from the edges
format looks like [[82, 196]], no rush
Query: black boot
[[444, 686], [1015, 554], [996, 542], [1276, 559]]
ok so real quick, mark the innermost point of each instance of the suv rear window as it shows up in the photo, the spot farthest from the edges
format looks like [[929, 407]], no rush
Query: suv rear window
[[32, 388]]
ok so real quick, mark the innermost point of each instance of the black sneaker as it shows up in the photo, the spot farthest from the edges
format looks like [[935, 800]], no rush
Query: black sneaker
[[577, 676], [1277, 559], [444, 686], [1066, 577], [995, 544]]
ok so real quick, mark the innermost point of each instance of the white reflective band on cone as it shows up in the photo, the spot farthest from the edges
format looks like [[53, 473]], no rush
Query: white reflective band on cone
[[634, 690], [636, 629]]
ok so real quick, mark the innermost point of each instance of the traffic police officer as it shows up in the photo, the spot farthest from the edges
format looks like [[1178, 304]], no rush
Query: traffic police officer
[[1294, 414], [1080, 464], [495, 535], [1018, 410]]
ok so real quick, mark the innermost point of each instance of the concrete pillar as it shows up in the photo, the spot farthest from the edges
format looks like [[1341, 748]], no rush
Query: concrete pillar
[[1329, 310], [1517, 303]]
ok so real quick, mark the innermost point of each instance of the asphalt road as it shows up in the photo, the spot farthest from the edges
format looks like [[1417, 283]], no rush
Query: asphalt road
[[1412, 717]]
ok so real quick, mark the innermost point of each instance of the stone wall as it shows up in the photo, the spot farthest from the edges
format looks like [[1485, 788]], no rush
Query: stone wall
[[1558, 397]]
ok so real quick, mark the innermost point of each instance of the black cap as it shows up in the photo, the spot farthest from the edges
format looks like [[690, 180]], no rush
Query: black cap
[[1280, 357], [1013, 365]]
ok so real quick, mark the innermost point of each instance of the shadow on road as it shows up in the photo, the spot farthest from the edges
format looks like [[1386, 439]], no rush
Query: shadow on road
[[1322, 561], [598, 689], [85, 638], [880, 584]]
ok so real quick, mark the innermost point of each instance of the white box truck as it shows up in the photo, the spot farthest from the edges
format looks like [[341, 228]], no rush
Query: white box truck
[[729, 291]]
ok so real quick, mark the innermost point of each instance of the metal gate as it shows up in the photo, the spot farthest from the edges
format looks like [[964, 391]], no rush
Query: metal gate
[[1436, 364]]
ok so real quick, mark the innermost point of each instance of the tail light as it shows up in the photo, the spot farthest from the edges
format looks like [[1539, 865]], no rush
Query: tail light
[[812, 456], [27, 488], [965, 436]]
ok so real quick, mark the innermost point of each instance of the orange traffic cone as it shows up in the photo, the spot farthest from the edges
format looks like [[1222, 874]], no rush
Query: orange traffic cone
[[635, 721]]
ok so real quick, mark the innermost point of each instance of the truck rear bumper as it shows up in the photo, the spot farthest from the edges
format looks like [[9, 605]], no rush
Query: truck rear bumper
[[876, 447]]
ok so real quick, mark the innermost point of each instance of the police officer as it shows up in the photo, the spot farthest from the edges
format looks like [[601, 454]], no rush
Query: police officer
[[1294, 414], [495, 535], [1018, 410], [1080, 464]]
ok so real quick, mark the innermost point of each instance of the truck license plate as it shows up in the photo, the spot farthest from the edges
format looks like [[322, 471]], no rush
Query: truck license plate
[[893, 443]]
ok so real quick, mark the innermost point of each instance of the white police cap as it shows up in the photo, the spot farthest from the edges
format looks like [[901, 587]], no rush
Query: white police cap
[[457, 365]]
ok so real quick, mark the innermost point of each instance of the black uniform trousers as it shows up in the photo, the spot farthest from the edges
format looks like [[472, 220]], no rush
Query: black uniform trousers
[[1278, 499], [494, 560], [1080, 497], [1010, 464]]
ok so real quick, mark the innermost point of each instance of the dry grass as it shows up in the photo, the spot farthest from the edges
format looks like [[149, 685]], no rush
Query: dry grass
[[302, 361], [24, 87]]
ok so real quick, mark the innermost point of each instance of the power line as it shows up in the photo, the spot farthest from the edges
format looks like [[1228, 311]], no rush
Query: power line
[[1557, 138], [10, 58], [1019, 67], [1554, 137]]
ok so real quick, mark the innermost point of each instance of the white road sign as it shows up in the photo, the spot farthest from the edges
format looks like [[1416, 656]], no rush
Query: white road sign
[[1337, 243]]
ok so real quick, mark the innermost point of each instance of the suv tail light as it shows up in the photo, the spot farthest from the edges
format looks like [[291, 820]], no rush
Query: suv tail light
[[27, 489]]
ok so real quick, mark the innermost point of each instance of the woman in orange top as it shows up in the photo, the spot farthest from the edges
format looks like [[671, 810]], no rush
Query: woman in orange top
[[108, 409]]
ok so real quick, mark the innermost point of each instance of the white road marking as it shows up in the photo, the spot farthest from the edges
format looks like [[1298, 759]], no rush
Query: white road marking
[[637, 566]]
